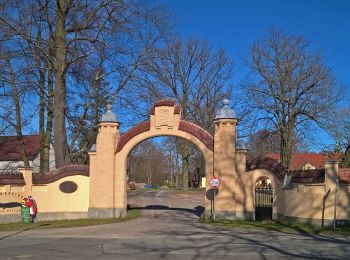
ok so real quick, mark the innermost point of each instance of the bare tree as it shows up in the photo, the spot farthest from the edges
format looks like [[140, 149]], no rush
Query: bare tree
[[147, 163], [338, 126], [65, 33], [193, 74], [14, 93], [261, 143], [290, 87]]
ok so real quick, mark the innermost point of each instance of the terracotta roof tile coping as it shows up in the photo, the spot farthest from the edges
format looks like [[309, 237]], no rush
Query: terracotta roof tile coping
[[65, 171], [315, 176], [55, 175], [165, 102], [204, 136], [344, 175], [14, 179]]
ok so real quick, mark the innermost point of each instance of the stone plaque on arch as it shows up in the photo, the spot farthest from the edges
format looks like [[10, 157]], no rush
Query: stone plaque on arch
[[164, 117]]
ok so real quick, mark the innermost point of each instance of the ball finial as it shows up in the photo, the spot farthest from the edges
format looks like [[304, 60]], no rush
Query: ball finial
[[109, 116], [225, 102], [225, 112]]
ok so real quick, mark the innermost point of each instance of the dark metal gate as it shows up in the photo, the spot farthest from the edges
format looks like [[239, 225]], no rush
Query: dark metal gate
[[263, 203]]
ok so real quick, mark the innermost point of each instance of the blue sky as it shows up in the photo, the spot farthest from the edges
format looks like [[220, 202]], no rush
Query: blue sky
[[234, 25]]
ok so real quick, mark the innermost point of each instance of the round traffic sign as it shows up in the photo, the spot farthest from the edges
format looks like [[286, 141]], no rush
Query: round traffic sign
[[214, 182]]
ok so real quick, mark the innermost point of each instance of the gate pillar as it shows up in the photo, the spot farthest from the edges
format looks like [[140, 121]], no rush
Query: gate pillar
[[102, 177], [224, 161]]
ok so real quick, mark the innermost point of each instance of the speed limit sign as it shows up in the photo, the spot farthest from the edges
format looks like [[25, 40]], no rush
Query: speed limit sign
[[214, 182]]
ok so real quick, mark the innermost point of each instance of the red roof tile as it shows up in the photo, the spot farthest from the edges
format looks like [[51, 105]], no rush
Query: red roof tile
[[302, 177], [167, 103], [269, 164], [11, 179], [9, 147], [344, 175], [308, 176], [54, 175], [301, 159], [64, 171]]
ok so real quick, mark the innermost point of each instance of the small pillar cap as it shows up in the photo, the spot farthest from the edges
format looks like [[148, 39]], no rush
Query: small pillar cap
[[240, 145], [93, 148], [109, 116], [225, 112]]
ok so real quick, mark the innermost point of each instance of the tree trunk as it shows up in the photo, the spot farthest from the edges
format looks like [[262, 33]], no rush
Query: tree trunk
[[287, 149], [346, 157], [62, 156], [18, 124], [42, 118], [49, 115], [184, 155]]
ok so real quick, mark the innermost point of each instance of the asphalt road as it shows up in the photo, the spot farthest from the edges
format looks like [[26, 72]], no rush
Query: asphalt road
[[168, 229]]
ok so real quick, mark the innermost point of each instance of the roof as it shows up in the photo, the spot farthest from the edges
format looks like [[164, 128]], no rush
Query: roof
[[11, 179], [52, 176], [344, 175], [64, 171], [10, 150], [269, 164], [166, 103], [301, 159], [308, 176], [315, 176]]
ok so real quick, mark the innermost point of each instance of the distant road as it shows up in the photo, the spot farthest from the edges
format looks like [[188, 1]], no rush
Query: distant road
[[168, 229]]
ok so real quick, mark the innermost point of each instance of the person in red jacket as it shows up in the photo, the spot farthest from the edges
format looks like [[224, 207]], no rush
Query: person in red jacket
[[33, 208]]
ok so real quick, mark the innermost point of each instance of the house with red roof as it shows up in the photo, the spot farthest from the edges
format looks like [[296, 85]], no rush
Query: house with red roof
[[11, 157], [307, 161]]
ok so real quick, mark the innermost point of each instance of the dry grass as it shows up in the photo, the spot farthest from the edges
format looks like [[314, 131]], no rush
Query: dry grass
[[293, 227], [132, 214]]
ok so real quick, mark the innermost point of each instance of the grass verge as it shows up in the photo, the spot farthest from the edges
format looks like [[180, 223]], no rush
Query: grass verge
[[132, 214], [290, 227]]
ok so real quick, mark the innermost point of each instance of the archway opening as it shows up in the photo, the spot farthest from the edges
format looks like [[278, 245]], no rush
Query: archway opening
[[263, 198], [154, 174]]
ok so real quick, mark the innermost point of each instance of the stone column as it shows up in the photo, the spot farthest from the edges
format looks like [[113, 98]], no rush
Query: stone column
[[331, 173], [27, 173], [224, 161], [102, 176]]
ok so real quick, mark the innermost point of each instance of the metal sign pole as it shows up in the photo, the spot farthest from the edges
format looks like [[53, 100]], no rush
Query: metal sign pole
[[215, 183], [213, 204]]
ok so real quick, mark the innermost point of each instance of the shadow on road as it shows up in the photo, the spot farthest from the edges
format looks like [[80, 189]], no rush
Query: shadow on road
[[198, 211], [20, 231], [205, 240]]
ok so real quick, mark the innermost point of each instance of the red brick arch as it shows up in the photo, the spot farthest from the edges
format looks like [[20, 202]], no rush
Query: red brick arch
[[185, 126]]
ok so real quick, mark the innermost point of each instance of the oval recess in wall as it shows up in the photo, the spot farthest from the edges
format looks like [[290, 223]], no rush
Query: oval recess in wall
[[68, 187]]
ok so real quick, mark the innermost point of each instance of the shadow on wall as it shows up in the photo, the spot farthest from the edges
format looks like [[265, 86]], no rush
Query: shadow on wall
[[10, 205]]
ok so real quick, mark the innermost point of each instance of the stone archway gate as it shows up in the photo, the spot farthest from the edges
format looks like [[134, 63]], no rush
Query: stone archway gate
[[108, 162]]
